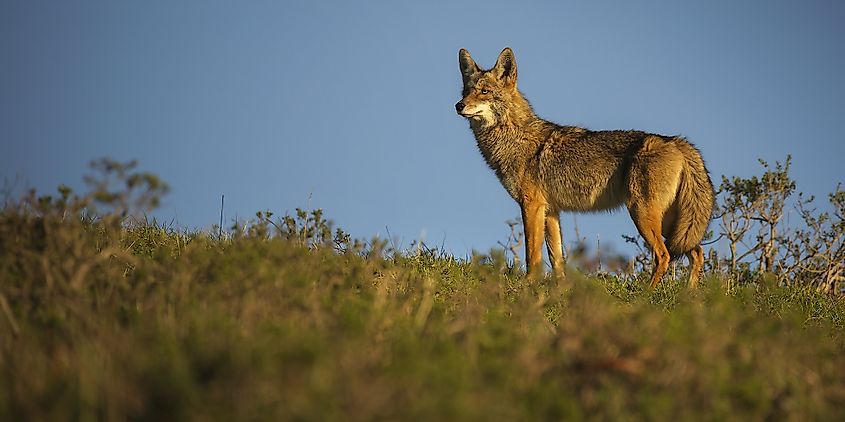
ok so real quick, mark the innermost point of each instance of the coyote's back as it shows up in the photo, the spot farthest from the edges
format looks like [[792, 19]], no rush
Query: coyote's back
[[548, 168]]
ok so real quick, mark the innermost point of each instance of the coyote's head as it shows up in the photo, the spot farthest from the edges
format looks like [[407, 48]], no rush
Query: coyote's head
[[490, 97]]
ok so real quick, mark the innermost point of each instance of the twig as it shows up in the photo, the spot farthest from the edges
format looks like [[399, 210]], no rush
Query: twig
[[220, 228], [9, 316]]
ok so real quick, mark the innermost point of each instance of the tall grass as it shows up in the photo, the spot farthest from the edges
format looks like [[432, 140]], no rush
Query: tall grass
[[108, 320]]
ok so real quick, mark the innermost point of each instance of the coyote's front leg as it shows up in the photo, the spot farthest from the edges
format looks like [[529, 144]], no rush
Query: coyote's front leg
[[533, 220], [553, 242]]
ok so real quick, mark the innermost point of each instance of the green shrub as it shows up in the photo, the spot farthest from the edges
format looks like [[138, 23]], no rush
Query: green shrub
[[104, 319]]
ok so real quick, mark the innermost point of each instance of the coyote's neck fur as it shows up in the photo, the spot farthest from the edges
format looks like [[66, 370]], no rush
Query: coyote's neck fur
[[510, 139]]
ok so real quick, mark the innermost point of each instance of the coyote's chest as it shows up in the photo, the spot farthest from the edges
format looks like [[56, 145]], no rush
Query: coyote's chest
[[508, 154]]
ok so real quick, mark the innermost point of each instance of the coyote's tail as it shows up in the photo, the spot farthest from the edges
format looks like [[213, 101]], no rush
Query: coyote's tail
[[694, 202]]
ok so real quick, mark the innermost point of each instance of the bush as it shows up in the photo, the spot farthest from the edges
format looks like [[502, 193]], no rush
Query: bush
[[107, 319]]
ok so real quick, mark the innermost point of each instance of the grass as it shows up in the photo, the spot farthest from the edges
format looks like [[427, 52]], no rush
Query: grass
[[113, 321]]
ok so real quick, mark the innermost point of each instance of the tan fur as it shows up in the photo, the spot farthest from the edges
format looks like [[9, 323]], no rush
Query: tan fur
[[548, 168]]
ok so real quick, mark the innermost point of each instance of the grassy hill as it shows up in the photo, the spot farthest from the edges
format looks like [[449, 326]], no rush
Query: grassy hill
[[106, 319]]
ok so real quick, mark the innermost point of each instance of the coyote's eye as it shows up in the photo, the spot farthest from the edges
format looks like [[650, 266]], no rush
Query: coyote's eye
[[484, 91]]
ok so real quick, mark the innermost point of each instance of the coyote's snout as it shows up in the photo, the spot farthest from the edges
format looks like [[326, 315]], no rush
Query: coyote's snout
[[548, 168], [479, 110]]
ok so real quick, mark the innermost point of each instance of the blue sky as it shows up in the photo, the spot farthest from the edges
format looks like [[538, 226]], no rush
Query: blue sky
[[349, 106]]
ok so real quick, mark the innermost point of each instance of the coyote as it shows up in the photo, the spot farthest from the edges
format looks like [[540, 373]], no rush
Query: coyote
[[548, 168]]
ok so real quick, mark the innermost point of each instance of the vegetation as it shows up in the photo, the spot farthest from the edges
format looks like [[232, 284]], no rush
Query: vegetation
[[751, 217], [105, 316]]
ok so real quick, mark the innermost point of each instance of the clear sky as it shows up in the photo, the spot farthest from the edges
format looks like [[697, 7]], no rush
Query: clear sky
[[349, 106]]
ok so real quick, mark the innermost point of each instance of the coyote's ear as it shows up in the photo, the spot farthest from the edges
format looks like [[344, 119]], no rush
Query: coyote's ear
[[506, 67], [468, 66]]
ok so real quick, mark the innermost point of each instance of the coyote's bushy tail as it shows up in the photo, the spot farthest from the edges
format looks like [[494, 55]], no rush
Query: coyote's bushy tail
[[694, 202]]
